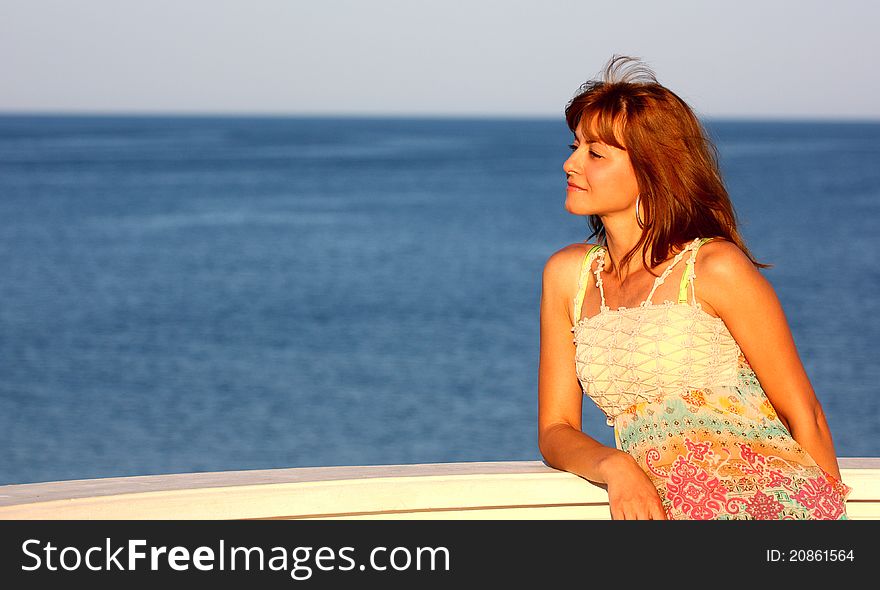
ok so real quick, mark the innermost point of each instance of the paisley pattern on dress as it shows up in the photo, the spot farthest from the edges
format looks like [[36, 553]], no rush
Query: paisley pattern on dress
[[685, 403]]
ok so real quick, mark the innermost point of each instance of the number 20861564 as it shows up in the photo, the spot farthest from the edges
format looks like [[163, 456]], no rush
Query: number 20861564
[[810, 555]]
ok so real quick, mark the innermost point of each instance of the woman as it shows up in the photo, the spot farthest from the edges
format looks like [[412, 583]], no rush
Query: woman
[[713, 414]]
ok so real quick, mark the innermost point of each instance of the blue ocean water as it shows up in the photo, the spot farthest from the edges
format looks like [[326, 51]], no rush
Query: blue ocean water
[[187, 294]]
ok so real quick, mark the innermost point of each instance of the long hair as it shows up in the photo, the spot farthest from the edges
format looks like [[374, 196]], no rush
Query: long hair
[[675, 162]]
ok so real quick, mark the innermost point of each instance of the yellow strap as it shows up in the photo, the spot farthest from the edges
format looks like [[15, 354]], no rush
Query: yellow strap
[[689, 271], [582, 283]]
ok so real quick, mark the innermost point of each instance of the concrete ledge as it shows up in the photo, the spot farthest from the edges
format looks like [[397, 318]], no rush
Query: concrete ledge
[[482, 490]]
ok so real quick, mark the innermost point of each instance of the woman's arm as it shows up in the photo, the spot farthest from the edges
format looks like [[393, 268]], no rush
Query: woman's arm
[[747, 303], [561, 441]]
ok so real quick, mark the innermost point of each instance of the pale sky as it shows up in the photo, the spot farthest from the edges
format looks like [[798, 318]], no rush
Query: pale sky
[[745, 59]]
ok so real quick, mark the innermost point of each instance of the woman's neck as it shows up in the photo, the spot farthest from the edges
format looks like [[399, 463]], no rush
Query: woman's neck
[[620, 238]]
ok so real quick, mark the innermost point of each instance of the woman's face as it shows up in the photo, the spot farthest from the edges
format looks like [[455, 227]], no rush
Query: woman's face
[[601, 179]]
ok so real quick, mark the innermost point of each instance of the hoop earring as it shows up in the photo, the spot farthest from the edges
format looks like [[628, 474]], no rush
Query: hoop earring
[[638, 218]]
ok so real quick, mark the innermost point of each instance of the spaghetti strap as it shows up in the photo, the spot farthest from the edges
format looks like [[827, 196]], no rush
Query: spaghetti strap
[[582, 282], [659, 280], [689, 275]]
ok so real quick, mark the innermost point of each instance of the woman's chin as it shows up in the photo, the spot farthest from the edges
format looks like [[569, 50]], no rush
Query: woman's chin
[[574, 209]]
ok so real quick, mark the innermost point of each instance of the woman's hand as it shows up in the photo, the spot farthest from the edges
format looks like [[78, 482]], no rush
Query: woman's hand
[[631, 494]]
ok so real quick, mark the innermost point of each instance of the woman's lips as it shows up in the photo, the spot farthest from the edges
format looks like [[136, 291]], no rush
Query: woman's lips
[[574, 187]]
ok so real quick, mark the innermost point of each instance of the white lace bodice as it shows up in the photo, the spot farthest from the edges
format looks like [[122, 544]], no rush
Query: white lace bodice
[[632, 355]]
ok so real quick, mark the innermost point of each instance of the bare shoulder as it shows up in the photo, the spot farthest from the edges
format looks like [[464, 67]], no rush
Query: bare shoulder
[[724, 273], [723, 260], [563, 266], [561, 273]]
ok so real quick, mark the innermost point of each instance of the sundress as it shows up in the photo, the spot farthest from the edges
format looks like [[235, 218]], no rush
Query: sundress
[[685, 403]]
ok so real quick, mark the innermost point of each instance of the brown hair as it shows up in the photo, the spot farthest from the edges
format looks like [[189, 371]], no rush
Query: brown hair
[[675, 163]]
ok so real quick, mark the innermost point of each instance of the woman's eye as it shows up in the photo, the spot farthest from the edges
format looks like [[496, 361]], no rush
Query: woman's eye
[[574, 147]]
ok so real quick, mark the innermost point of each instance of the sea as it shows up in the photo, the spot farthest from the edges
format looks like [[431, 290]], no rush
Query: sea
[[218, 293]]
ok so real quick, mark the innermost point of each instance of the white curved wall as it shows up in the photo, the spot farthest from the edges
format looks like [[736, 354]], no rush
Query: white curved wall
[[493, 490]]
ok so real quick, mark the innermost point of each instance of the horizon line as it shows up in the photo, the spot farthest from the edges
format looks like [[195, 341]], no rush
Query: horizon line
[[412, 116]]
